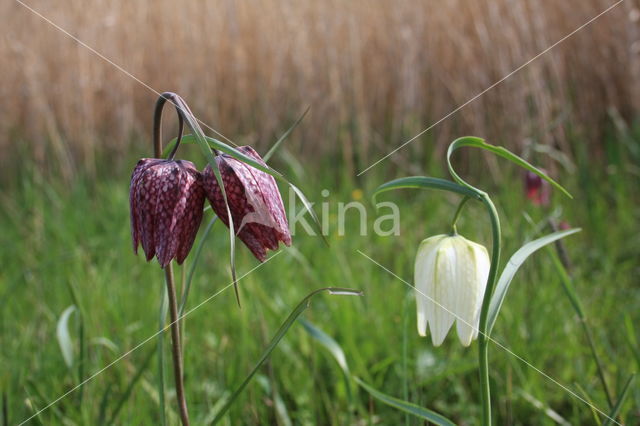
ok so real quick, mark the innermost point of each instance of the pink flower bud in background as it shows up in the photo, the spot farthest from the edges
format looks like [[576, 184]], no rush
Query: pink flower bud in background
[[166, 200], [537, 189], [254, 200]]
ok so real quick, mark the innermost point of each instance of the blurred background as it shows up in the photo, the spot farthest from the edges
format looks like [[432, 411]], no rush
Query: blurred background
[[374, 74]]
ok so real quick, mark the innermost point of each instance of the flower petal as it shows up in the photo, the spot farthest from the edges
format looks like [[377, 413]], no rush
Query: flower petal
[[254, 201], [134, 188], [424, 280], [441, 318], [466, 290]]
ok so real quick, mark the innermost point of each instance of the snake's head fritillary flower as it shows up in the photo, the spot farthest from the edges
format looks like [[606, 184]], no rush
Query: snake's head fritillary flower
[[166, 199], [450, 278], [254, 201], [537, 189]]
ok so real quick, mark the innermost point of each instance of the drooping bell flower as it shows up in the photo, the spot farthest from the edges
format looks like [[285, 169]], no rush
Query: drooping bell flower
[[537, 189], [450, 278], [254, 200], [166, 200]]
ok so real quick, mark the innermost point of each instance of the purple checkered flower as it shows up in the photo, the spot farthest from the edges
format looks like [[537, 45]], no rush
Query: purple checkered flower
[[166, 199], [254, 201]]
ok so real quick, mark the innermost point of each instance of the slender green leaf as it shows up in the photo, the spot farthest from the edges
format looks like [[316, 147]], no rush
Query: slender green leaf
[[302, 306], [103, 341], [572, 294], [132, 383], [212, 143], [285, 135], [221, 146], [475, 142], [280, 407], [32, 385], [512, 267], [203, 141], [232, 234], [194, 263], [405, 406], [567, 284], [104, 402], [548, 411], [631, 338], [335, 350], [64, 338], [424, 182], [329, 344], [623, 396], [206, 144], [309, 207], [595, 414]]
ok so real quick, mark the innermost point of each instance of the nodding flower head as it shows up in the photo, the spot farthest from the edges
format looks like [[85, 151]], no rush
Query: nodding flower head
[[166, 199], [537, 189], [450, 278], [254, 201]]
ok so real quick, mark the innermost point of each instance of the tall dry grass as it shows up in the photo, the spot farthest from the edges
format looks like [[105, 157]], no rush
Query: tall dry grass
[[374, 72]]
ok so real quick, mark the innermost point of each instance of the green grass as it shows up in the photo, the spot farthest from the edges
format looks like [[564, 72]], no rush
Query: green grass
[[59, 240]]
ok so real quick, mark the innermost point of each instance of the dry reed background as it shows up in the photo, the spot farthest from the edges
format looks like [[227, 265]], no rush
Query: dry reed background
[[374, 73]]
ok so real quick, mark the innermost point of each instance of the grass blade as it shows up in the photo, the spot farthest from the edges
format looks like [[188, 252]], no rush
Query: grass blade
[[212, 143], [329, 344], [512, 267], [631, 339], [621, 399], [206, 143], [309, 207], [194, 263], [293, 316], [475, 142], [132, 383], [232, 233], [336, 352], [284, 136], [567, 285], [405, 406]]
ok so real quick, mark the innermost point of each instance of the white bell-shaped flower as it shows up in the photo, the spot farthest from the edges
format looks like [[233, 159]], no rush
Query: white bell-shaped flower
[[450, 278]]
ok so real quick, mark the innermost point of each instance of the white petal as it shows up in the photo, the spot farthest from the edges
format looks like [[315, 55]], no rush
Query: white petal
[[483, 264], [423, 280], [441, 317], [466, 288]]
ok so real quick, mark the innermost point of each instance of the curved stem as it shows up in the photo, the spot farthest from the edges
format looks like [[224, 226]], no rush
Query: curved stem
[[454, 230], [157, 123], [483, 337], [168, 270]]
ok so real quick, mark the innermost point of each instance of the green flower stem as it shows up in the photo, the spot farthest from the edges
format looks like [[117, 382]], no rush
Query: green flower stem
[[457, 215], [162, 319], [175, 345], [483, 337], [168, 270]]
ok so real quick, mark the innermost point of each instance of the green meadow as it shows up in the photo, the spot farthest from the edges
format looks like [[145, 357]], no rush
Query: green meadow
[[69, 244]]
